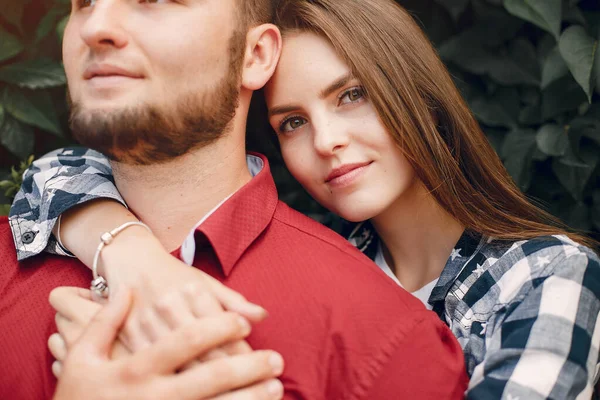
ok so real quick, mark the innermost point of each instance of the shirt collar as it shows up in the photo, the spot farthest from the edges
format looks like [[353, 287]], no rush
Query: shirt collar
[[466, 247], [364, 237], [233, 225]]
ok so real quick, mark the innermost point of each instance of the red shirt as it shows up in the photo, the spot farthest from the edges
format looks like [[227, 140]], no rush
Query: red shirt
[[345, 330]]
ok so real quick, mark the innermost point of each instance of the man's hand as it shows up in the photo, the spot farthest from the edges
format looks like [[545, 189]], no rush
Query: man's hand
[[89, 373]]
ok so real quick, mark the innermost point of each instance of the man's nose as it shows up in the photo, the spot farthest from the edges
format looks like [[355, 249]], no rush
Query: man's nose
[[104, 29], [330, 137]]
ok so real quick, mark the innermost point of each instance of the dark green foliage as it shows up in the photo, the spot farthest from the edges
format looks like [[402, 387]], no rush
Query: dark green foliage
[[529, 69]]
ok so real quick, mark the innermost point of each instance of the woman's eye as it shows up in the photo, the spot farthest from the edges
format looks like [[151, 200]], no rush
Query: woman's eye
[[291, 124], [352, 95], [86, 3]]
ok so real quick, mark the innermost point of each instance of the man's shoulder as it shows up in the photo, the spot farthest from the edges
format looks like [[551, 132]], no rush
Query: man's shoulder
[[7, 244], [316, 264], [45, 270], [307, 229], [26, 317]]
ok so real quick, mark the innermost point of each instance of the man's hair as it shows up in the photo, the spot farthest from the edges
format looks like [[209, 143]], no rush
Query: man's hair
[[255, 12]]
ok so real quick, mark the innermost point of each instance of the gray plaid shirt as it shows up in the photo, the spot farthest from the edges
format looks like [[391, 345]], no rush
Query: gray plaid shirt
[[525, 313]]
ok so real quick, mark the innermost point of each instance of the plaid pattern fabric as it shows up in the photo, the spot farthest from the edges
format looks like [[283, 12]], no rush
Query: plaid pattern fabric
[[53, 184], [525, 313]]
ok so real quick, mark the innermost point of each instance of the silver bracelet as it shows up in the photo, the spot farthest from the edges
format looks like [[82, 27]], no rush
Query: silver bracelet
[[99, 285], [59, 239]]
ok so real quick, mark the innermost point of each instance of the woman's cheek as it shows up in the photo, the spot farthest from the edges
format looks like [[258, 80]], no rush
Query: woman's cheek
[[296, 162]]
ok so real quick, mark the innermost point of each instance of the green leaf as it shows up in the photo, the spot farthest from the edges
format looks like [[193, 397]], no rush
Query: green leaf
[[494, 26], [517, 153], [4, 209], [35, 74], [519, 67], [554, 67], [12, 11], [32, 107], [531, 115], [574, 16], [48, 23], [579, 51], [17, 137], [454, 7], [466, 51], [575, 178], [60, 27], [578, 216], [496, 138], [552, 140], [10, 45], [547, 14], [561, 95]]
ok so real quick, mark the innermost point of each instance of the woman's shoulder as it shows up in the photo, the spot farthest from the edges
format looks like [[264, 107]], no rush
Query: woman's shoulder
[[542, 257]]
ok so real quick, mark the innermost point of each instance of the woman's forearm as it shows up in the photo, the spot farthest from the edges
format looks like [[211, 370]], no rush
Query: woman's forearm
[[81, 228]]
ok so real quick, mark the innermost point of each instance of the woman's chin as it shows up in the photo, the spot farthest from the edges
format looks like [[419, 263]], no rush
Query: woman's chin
[[355, 214]]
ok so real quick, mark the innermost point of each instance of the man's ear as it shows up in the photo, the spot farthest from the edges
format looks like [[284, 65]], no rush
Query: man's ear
[[263, 49]]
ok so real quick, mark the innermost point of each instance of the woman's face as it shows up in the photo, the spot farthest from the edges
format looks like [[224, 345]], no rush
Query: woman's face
[[331, 138]]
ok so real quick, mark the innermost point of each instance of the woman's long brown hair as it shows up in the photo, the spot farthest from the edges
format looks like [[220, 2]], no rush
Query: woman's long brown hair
[[420, 106]]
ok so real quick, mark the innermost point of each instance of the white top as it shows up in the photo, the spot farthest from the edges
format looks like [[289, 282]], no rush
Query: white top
[[421, 294]]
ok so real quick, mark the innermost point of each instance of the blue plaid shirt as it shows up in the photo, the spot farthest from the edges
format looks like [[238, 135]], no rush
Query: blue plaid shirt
[[525, 313]]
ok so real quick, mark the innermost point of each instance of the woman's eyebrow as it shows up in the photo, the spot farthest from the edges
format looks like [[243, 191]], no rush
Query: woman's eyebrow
[[336, 85], [282, 110]]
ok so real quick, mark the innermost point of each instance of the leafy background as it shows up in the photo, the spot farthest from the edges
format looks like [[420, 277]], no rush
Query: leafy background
[[529, 69]]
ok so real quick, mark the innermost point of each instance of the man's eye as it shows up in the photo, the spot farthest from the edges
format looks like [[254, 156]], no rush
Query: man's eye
[[352, 95], [86, 3], [291, 124]]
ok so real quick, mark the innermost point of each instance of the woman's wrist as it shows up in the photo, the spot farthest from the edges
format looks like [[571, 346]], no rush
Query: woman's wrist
[[82, 226], [128, 252]]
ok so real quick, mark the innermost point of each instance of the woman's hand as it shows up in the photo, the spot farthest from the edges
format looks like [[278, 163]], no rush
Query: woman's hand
[[88, 372], [137, 261]]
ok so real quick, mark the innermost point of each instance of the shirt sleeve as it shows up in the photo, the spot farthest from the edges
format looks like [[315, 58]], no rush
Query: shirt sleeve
[[546, 345], [52, 185]]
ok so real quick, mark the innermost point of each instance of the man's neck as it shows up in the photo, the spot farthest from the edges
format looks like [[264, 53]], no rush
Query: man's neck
[[173, 197]]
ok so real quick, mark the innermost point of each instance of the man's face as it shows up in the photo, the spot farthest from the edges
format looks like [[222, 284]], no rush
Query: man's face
[[149, 80]]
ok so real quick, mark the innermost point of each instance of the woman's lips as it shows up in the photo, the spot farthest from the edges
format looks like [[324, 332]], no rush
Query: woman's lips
[[346, 174]]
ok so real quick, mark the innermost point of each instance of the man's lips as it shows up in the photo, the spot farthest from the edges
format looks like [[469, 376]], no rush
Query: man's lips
[[106, 70], [345, 169]]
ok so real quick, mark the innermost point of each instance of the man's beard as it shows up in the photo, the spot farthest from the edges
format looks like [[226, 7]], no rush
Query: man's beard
[[149, 135]]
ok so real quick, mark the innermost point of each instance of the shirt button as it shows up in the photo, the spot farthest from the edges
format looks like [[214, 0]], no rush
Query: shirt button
[[28, 237]]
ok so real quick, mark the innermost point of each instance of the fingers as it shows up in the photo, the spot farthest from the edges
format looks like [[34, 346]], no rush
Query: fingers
[[57, 347], [234, 301], [180, 347], [223, 375], [57, 369], [202, 303], [104, 326], [74, 304], [269, 390]]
